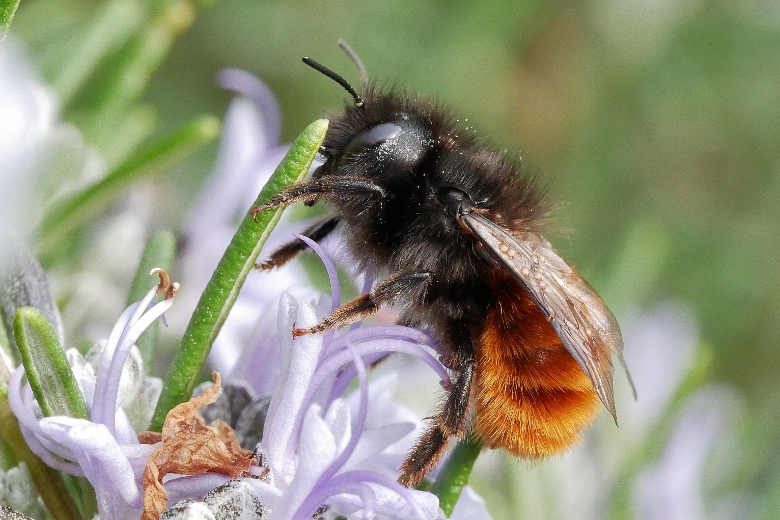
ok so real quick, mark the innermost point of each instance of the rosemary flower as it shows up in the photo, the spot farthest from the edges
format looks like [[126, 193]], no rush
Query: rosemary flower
[[104, 449]]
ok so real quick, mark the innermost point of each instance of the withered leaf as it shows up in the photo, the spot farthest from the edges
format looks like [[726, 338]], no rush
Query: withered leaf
[[190, 447]]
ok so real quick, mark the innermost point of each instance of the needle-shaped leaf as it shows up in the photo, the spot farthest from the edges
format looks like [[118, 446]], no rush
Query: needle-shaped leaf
[[51, 379], [7, 11], [112, 24], [129, 72], [60, 221], [23, 283], [234, 266]]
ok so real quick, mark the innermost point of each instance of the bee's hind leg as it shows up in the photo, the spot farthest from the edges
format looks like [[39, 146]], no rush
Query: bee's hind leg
[[448, 423], [451, 420]]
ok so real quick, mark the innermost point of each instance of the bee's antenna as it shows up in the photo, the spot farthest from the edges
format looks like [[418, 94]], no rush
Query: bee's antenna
[[335, 77], [357, 61]]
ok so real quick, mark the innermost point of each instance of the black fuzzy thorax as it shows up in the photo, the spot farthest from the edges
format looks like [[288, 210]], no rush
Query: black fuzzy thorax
[[411, 229]]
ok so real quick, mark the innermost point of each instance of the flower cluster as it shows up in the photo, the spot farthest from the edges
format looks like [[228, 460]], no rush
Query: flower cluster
[[324, 448], [321, 449], [105, 449]]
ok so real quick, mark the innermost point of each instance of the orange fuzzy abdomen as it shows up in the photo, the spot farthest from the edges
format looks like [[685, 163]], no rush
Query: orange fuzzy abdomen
[[531, 397]]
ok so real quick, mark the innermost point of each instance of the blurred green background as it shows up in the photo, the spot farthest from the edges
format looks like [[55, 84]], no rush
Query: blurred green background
[[655, 124]]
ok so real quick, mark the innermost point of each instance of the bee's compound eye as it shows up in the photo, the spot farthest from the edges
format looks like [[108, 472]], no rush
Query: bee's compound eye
[[372, 137], [396, 146]]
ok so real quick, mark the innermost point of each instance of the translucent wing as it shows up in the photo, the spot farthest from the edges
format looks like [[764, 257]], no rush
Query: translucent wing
[[584, 324]]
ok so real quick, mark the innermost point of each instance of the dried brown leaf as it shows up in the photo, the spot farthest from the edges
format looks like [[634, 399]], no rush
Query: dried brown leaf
[[189, 447]]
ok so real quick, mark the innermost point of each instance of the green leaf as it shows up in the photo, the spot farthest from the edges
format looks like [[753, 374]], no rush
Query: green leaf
[[113, 24], [129, 73], [234, 266], [46, 366], [454, 474], [7, 11], [159, 252], [118, 143], [23, 283], [60, 221]]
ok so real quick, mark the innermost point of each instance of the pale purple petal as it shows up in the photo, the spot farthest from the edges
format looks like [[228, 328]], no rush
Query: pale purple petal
[[341, 411], [338, 419], [660, 346], [374, 442], [470, 506], [331, 366], [384, 410], [672, 489], [115, 353], [268, 494], [118, 478], [101, 407], [240, 170], [284, 414], [191, 486], [391, 498], [250, 86], [316, 450], [335, 290], [258, 362]]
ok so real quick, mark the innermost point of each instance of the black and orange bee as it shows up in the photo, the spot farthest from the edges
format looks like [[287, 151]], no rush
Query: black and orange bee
[[452, 227]]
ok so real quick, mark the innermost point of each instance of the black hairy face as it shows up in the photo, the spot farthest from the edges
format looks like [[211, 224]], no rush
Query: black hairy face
[[428, 166]]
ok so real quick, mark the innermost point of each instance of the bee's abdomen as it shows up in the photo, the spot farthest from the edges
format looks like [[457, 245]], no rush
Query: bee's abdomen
[[531, 396]]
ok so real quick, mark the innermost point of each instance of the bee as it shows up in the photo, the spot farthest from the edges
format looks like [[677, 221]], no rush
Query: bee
[[453, 229]]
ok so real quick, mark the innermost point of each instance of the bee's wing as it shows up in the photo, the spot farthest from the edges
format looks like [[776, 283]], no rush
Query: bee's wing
[[584, 324]]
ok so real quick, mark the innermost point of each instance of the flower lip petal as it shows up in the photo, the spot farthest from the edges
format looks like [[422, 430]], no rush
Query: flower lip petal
[[360, 421], [335, 361], [97, 442], [374, 442], [268, 494], [393, 499], [316, 451], [189, 486], [338, 419], [286, 411]]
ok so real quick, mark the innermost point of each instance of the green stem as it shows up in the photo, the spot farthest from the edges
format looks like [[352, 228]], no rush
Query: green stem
[[159, 252], [234, 266], [454, 475]]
